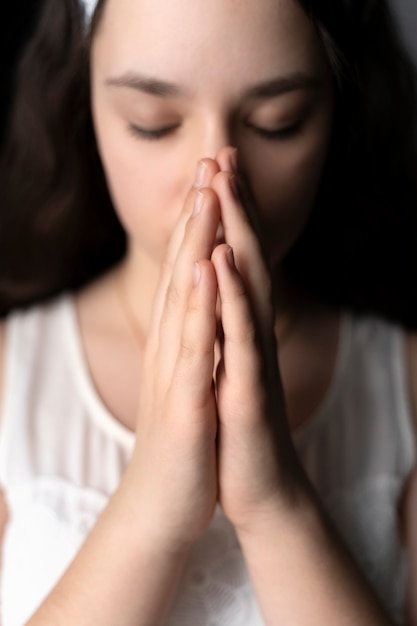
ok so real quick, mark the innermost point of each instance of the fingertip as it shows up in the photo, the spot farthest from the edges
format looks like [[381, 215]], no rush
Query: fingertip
[[213, 201], [225, 265], [220, 253], [221, 183], [203, 271], [227, 159], [200, 175], [227, 185], [207, 168]]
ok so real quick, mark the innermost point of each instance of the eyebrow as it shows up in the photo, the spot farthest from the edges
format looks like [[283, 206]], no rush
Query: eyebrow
[[268, 89]]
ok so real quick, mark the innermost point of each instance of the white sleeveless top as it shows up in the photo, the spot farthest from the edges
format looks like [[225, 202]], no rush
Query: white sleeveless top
[[62, 455]]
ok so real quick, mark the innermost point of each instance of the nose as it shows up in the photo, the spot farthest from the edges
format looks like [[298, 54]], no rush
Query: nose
[[214, 133], [206, 136]]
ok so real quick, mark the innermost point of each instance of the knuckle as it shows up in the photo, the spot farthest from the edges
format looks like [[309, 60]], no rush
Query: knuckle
[[240, 291], [193, 349], [188, 349], [247, 334], [244, 333], [172, 297], [238, 296], [193, 308]]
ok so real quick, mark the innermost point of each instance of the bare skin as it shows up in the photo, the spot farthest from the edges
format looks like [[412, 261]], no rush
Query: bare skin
[[262, 503], [102, 324], [176, 414]]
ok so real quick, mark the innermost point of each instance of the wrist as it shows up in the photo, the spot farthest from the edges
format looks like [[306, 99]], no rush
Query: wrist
[[297, 551], [299, 508], [136, 524]]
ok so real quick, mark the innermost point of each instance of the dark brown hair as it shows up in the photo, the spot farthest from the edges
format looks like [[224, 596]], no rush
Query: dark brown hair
[[58, 229], [359, 249]]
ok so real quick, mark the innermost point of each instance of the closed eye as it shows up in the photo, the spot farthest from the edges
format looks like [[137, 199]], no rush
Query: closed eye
[[151, 134], [159, 133], [277, 134]]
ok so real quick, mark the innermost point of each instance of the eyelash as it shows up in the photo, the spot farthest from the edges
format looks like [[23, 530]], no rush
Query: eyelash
[[269, 135], [279, 134], [151, 135]]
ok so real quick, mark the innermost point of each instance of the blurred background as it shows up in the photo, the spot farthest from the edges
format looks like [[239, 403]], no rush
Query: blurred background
[[22, 15], [406, 11], [15, 27]]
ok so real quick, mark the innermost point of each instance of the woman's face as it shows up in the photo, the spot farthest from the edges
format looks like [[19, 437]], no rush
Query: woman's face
[[173, 81]]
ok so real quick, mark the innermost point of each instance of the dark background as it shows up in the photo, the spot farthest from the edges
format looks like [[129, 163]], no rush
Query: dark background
[[14, 31]]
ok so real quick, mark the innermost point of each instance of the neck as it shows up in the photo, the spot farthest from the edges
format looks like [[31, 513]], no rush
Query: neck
[[139, 275]]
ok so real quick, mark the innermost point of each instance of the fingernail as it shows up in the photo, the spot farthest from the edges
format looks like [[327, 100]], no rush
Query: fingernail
[[234, 186], [200, 174], [198, 203], [196, 274], [234, 160], [231, 258]]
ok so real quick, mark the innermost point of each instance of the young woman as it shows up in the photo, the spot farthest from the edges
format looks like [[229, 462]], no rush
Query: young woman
[[196, 428]]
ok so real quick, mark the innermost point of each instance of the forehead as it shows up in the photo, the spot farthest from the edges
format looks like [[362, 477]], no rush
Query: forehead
[[207, 39]]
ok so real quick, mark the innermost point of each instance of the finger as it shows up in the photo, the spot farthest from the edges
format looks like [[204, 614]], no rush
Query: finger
[[166, 273], [205, 172], [242, 360], [248, 252], [199, 236], [192, 383], [247, 377], [227, 158]]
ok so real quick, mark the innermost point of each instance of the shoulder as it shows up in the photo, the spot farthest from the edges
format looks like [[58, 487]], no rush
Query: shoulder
[[408, 503], [411, 356], [25, 330]]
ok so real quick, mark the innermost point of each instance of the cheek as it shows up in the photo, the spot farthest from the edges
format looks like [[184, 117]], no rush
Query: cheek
[[285, 193], [134, 195], [143, 199]]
